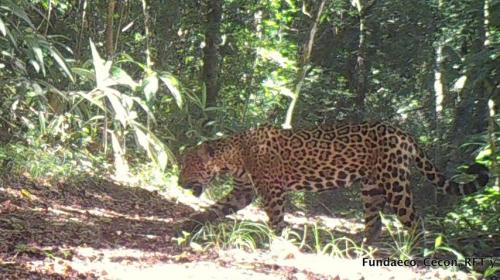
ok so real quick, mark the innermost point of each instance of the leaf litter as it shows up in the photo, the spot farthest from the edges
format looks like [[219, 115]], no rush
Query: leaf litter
[[98, 229]]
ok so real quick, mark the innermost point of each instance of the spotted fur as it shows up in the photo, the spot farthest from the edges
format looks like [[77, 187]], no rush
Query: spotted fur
[[270, 162]]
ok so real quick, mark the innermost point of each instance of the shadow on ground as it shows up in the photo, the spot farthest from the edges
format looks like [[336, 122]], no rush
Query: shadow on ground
[[39, 220], [16, 271], [97, 229], [98, 214]]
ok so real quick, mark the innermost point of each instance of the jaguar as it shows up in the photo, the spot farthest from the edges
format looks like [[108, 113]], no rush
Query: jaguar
[[269, 162]]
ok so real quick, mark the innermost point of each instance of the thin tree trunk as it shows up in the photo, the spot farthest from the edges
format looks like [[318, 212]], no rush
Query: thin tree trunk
[[82, 30], [494, 96], [109, 29], [211, 52], [361, 68], [303, 67], [121, 8], [257, 29], [440, 91], [145, 14], [481, 110], [49, 13], [109, 53], [492, 126]]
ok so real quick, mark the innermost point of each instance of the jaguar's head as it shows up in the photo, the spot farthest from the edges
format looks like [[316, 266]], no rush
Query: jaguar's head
[[197, 168]]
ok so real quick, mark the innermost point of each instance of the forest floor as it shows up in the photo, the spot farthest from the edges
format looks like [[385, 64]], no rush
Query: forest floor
[[101, 230]]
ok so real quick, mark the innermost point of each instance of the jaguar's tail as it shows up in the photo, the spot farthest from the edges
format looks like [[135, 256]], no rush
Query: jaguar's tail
[[446, 185]]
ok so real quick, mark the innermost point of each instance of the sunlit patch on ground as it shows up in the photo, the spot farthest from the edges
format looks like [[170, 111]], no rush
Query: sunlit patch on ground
[[136, 264], [100, 230]]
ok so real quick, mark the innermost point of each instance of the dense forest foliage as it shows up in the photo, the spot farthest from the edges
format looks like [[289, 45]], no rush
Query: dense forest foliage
[[117, 90]]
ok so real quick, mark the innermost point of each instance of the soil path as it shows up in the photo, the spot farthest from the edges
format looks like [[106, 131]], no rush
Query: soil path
[[101, 230]]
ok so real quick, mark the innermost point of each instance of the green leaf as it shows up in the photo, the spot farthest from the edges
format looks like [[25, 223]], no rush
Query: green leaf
[[120, 112], [155, 148], [11, 38], [150, 87], [101, 67], [86, 74], [291, 4], [142, 139], [145, 107], [93, 97], [3, 28], [122, 78], [36, 50], [126, 58], [490, 271], [61, 62], [16, 10], [439, 241], [35, 65], [115, 143], [173, 86]]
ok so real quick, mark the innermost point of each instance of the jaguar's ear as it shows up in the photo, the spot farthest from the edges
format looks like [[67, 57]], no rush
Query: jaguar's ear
[[206, 151]]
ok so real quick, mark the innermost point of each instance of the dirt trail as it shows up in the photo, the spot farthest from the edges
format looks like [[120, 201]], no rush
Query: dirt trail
[[101, 230]]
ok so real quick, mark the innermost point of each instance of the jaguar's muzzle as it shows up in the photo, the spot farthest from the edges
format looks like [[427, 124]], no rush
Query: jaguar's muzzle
[[195, 188]]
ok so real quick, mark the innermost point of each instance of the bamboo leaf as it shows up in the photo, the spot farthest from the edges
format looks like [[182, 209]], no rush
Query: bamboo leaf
[[173, 86], [36, 50], [142, 139], [16, 10], [120, 112], [61, 62], [122, 78], [3, 28], [100, 66], [35, 65], [84, 73], [115, 143], [145, 107], [93, 97], [11, 38], [156, 150], [150, 87]]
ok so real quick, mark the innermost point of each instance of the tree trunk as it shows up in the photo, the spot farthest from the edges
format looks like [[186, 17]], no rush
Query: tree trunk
[[149, 62], [360, 76], [83, 27], [303, 66], [109, 29], [249, 81], [211, 52], [361, 68], [494, 97], [440, 91]]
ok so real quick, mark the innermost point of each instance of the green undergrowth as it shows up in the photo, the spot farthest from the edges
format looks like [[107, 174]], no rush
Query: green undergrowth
[[477, 213], [473, 224], [466, 231], [49, 162], [245, 235], [251, 236], [311, 238], [149, 174]]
